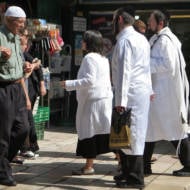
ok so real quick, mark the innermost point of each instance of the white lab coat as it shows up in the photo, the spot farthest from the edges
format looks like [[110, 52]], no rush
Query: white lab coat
[[169, 107], [94, 96], [132, 83]]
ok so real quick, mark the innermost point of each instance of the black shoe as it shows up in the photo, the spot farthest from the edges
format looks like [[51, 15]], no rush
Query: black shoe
[[120, 177], [9, 181], [184, 172], [147, 171], [129, 186], [153, 159], [17, 160]]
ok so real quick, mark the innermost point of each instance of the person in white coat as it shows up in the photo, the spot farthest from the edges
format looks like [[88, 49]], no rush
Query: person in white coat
[[169, 109], [94, 96], [132, 89]]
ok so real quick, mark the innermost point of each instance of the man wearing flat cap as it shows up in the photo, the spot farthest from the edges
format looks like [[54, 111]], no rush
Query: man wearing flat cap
[[13, 96], [132, 88]]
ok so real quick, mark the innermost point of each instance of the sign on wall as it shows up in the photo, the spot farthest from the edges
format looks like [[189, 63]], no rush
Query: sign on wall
[[79, 24], [78, 49]]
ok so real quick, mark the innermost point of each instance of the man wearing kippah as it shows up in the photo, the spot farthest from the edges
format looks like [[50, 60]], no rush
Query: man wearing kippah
[[168, 116], [13, 97], [132, 88]]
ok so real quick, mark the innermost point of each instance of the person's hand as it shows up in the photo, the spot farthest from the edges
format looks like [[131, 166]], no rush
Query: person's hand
[[28, 68], [120, 109], [37, 63], [42, 90], [62, 83], [6, 52], [28, 104], [152, 97]]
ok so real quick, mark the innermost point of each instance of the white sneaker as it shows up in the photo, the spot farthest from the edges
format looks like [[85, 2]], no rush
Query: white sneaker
[[36, 155], [28, 154]]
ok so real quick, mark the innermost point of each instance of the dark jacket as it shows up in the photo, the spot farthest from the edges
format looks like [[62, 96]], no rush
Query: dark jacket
[[33, 80]]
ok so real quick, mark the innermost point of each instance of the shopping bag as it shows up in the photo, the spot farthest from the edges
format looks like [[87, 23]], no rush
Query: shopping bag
[[120, 135]]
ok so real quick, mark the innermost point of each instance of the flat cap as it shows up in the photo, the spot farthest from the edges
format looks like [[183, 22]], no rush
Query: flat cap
[[15, 11]]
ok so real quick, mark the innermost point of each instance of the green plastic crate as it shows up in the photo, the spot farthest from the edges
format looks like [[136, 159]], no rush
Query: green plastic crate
[[40, 127], [42, 114], [40, 120]]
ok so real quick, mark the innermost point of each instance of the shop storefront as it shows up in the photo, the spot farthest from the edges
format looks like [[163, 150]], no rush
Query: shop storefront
[[50, 25], [99, 15], [73, 17]]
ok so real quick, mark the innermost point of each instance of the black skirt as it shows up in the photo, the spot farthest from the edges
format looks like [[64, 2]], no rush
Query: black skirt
[[91, 147]]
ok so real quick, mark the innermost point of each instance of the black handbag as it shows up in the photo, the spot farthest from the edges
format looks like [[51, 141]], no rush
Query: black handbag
[[120, 130]]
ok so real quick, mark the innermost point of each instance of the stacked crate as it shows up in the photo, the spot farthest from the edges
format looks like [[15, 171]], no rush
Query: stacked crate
[[40, 120]]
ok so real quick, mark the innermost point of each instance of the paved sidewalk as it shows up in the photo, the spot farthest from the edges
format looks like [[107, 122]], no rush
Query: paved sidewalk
[[52, 169]]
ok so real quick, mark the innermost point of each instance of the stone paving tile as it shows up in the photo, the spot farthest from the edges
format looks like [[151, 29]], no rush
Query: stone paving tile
[[162, 165], [22, 187], [52, 170], [167, 182]]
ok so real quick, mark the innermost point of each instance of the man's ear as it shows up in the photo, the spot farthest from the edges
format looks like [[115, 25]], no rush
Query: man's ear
[[120, 19], [161, 24]]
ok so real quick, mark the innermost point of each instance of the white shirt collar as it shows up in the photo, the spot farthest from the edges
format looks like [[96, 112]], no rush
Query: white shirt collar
[[125, 31]]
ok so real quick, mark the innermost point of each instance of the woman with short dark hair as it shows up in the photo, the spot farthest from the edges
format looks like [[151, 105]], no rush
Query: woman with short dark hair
[[94, 96]]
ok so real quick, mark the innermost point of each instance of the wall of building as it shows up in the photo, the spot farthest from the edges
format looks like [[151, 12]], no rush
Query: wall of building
[[179, 10]]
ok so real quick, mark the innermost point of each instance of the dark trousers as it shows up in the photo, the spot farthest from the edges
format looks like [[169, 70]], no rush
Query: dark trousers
[[31, 140], [32, 131], [13, 124], [132, 168], [184, 152]]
